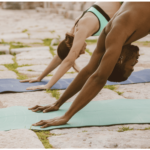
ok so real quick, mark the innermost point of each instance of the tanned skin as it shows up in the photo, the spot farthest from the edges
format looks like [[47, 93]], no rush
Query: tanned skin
[[129, 24]]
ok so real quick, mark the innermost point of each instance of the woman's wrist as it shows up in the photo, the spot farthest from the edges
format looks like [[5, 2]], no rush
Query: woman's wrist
[[39, 78], [47, 86]]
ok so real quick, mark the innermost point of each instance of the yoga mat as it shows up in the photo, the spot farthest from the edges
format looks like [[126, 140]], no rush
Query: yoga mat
[[13, 85], [96, 113]]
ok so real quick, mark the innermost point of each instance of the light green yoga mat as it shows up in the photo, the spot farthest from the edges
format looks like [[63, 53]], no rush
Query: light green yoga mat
[[96, 113]]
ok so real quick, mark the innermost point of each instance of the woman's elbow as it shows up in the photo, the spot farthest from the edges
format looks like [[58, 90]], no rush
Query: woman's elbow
[[69, 61]]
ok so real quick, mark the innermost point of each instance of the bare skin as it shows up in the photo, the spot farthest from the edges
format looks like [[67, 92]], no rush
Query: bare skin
[[87, 25], [124, 28]]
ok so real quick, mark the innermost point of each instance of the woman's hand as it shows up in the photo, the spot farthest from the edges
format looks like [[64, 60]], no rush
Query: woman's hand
[[40, 87], [52, 107], [30, 80], [52, 122]]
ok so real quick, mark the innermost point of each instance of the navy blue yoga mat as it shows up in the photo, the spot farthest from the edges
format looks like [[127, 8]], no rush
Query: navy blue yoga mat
[[13, 85], [142, 76]]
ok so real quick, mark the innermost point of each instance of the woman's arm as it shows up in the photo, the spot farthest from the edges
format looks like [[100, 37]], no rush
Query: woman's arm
[[76, 67], [53, 64], [68, 62]]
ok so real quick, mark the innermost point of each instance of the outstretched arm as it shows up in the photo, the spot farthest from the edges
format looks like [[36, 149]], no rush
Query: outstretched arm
[[113, 43], [76, 84], [76, 67], [52, 65], [68, 62]]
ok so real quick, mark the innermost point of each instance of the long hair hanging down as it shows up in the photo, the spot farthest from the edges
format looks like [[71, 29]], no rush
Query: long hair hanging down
[[65, 46]]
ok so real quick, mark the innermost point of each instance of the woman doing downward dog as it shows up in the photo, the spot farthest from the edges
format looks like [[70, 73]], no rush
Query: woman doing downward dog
[[90, 23]]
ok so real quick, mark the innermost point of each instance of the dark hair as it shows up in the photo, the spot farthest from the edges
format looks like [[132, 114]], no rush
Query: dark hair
[[118, 73], [65, 46]]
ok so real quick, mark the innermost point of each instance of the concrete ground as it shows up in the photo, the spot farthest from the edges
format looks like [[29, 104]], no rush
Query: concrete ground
[[24, 32]]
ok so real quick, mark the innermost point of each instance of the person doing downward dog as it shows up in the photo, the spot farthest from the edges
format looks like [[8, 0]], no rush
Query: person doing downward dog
[[90, 23], [118, 60]]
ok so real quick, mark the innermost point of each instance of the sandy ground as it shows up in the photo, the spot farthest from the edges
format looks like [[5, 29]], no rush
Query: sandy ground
[[31, 27]]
